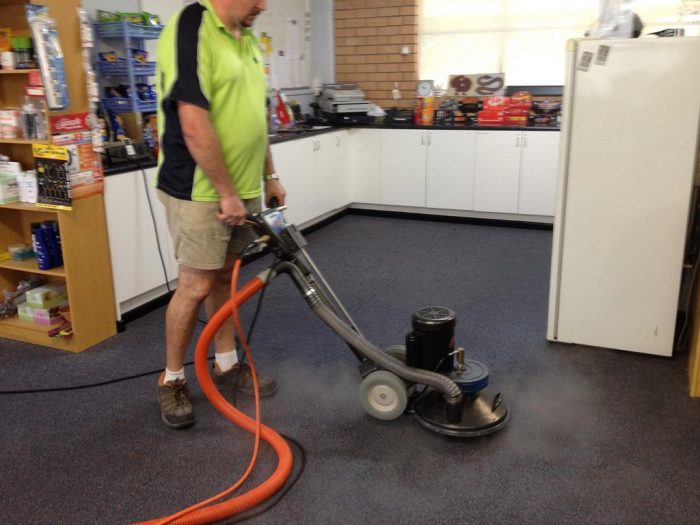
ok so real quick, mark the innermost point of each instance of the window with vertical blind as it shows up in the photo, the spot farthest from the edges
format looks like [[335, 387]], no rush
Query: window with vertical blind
[[525, 39]]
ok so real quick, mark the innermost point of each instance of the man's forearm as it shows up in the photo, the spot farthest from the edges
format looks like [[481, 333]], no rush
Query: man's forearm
[[203, 145], [269, 166]]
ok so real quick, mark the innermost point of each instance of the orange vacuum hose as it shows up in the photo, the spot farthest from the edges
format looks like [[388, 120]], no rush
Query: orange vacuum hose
[[226, 509]]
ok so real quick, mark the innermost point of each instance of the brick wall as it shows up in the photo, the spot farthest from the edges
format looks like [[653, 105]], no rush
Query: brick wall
[[369, 35]]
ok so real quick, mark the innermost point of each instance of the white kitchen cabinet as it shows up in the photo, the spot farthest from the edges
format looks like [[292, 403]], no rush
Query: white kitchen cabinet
[[294, 162], [497, 169], [314, 172], [433, 169], [450, 169], [403, 167], [515, 171], [137, 270], [331, 170], [538, 172], [365, 163]]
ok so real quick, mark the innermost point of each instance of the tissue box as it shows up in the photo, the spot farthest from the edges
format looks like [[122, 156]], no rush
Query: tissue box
[[45, 316], [47, 296]]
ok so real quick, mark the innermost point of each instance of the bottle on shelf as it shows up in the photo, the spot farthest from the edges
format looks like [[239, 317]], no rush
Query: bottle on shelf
[[283, 117]]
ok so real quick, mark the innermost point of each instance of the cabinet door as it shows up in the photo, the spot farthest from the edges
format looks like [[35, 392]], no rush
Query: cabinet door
[[136, 265], [365, 175], [538, 172], [294, 162], [497, 171], [450, 170], [331, 171], [403, 167], [161, 225]]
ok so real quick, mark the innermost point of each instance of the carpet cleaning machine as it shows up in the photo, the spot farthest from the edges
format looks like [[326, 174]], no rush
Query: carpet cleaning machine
[[427, 376]]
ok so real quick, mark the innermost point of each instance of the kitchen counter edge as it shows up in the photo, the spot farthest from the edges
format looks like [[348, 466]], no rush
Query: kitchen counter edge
[[278, 138]]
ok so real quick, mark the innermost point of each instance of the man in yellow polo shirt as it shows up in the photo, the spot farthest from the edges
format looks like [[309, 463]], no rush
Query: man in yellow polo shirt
[[214, 164]]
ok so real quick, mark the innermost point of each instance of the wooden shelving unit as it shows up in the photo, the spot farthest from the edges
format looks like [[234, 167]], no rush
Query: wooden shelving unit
[[16, 71], [86, 271]]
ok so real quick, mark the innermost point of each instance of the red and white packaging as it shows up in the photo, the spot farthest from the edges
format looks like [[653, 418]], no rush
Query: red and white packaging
[[69, 122], [497, 103], [491, 117]]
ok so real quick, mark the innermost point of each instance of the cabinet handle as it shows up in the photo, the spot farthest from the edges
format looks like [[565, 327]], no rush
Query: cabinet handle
[[422, 139], [524, 140], [517, 140], [337, 142], [429, 138]]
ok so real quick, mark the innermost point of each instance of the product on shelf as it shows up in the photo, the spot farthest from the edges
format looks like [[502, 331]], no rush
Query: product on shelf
[[20, 251], [142, 18], [46, 244], [9, 192], [11, 298], [53, 179], [49, 55], [22, 50], [69, 122], [33, 119], [47, 295], [10, 123], [26, 182], [150, 134], [42, 304]]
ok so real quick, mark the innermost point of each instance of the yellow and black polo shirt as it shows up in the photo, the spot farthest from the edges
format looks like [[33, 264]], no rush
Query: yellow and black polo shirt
[[200, 62]]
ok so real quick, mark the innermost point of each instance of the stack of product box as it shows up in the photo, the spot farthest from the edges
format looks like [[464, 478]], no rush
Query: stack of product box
[[42, 304], [506, 111]]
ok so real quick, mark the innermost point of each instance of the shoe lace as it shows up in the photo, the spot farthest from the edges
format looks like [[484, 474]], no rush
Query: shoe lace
[[179, 392]]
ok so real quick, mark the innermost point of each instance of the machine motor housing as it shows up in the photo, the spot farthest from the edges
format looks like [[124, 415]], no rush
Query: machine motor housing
[[431, 343]]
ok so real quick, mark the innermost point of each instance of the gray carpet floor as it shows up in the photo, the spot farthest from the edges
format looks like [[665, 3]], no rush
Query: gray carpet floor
[[595, 436]]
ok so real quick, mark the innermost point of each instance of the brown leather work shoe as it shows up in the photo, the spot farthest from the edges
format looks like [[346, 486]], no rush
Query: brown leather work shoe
[[240, 378], [175, 408]]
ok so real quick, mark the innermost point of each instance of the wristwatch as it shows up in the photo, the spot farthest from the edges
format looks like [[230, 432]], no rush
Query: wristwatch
[[271, 176]]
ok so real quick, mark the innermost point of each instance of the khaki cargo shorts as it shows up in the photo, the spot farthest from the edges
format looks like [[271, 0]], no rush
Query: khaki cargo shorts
[[200, 239]]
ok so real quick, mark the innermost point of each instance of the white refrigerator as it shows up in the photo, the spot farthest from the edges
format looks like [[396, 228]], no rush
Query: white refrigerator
[[627, 164]]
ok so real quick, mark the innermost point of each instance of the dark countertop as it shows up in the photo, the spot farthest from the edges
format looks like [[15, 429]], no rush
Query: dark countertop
[[536, 127], [127, 166], [287, 136]]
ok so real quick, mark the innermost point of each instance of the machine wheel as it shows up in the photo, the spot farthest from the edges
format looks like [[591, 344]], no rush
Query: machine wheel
[[397, 351], [383, 395]]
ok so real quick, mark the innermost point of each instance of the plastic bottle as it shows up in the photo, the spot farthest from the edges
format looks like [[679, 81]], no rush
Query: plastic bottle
[[418, 111], [53, 243], [57, 239], [281, 110], [39, 246]]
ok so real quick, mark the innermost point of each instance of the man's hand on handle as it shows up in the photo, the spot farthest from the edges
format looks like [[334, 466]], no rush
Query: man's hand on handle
[[232, 211], [273, 188]]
